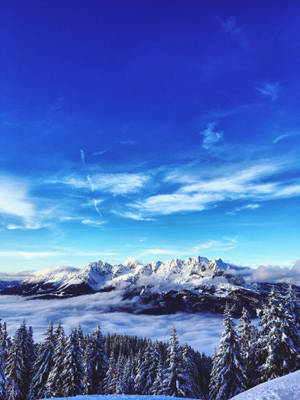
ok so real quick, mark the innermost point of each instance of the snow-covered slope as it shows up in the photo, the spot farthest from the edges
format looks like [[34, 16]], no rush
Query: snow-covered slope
[[283, 388], [194, 285], [118, 397]]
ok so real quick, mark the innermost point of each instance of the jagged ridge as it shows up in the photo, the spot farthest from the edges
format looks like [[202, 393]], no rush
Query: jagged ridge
[[193, 285]]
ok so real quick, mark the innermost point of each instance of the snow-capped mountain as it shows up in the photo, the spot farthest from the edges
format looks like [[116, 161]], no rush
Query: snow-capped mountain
[[193, 285]]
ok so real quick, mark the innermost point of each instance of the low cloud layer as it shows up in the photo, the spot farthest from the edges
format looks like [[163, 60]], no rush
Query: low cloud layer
[[201, 331], [271, 273]]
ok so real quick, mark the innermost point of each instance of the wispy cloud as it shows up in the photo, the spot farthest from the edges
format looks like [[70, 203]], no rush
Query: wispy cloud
[[248, 183], [268, 89], [92, 222], [220, 245], [211, 136], [230, 26], [116, 184], [31, 254], [127, 142], [18, 208], [85, 221], [131, 215], [251, 206], [286, 135], [100, 152]]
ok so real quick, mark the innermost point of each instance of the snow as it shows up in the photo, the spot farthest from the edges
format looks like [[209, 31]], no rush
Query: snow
[[174, 274], [118, 397], [283, 388]]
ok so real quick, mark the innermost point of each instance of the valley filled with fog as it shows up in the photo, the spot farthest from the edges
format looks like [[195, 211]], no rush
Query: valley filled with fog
[[201, 331]]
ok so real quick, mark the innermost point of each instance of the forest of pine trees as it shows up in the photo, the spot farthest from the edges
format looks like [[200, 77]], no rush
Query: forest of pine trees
[[68, 365]]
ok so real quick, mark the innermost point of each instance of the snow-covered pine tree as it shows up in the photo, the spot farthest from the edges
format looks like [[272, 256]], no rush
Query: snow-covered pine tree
[[95, 363], [3, 381], [175, 383], [55, 381], [5, 341], [280, 350], [16, 374], [110, 377], [292, 312], [190, 371], [73, 371], [81, 339], [247, 347], [160, 376], [128, 376], [43, 365], [145, 373], [120, 376], [228, 375]]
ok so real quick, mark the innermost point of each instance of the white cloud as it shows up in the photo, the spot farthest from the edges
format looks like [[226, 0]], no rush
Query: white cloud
[[82, 310], [269, 89], [251, 206], [224, 244], [231, 27], [285, 135], [131, 215], [19, 210], [201, 194], [271, 273], [100, 152], [92, 222], [116, 184], [30, 255], [211, 136], [92, 202], [160, 252], [15, 200]]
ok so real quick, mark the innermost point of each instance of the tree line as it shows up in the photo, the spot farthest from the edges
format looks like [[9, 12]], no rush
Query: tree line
[[67, 365]]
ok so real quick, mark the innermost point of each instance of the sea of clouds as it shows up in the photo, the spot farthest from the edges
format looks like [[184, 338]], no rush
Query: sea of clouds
[[201, 331]]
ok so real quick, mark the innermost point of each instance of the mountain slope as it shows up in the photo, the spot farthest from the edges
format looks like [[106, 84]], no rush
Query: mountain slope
[[192, 285], [283, 388]]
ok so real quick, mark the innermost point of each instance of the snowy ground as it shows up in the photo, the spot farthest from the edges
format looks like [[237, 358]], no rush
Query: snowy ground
[[201, 331], [119, 397], [284, 388]]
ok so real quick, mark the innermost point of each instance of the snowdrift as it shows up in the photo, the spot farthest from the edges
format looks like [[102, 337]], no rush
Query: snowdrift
[[119, 397], [283, 388]]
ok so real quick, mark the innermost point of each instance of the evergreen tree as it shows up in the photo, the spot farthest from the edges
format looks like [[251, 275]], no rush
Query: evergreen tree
[[73, 372], [190, 371], [247, 335], [43, 365], [55, 379], [95, 363], [281, 353], [228, 375], [175, 383], [16, 374], [120, 386], [5, 341], [3, 381], [110, 377], [128, 376], [160, 376], [145, 374], [292, 329]]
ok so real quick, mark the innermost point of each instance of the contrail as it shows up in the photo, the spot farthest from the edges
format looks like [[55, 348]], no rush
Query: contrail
[[82, 156], [90, 182]]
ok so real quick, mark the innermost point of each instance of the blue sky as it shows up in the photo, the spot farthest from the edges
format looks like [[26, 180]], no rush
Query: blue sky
[[153, 129]]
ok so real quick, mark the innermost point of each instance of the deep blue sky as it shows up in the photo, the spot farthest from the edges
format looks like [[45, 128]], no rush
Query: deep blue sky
[[152, 129]]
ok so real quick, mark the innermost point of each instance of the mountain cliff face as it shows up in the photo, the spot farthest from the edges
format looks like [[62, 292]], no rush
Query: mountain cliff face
[[192, 285]]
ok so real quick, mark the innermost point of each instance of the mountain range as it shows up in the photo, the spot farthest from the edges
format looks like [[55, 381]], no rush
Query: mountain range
[[192, 285]]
